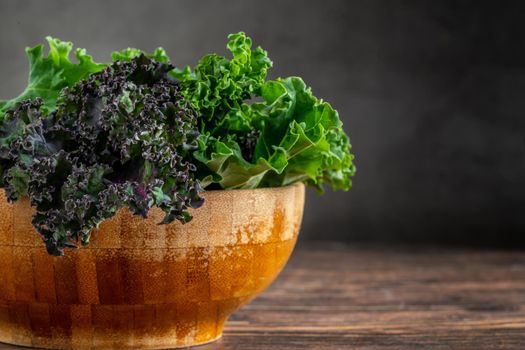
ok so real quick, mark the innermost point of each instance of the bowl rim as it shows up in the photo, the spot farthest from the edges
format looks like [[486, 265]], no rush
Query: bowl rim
[[259, 189]]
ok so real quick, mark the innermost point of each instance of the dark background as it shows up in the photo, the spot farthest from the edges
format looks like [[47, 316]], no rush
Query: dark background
[[431, 94]]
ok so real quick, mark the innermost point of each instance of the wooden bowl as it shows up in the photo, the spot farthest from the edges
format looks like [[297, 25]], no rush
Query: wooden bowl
[[140, 284]]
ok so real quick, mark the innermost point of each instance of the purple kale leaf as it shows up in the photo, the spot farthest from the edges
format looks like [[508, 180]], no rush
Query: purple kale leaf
[[122, 137]]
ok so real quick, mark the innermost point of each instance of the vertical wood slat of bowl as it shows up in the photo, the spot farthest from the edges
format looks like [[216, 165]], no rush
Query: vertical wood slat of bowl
[[140, 284]]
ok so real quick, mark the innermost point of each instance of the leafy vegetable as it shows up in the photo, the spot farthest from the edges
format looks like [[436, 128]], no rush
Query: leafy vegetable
[[49, 75], [129, 54], [85, 139], [291, 136], [120, 138], [217, 87]]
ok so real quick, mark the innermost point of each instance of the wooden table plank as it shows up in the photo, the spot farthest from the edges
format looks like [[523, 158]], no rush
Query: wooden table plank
[[338, 297]]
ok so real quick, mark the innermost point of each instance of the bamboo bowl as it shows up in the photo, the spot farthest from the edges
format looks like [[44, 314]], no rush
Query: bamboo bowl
[[140, 284]]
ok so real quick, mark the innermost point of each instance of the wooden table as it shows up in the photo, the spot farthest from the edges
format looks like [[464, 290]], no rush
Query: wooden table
[[338, 297]]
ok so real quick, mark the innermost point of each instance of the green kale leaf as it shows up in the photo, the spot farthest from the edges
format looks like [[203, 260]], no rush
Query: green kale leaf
[[290, 136], [49, 75], [130, 53], [217, 87]]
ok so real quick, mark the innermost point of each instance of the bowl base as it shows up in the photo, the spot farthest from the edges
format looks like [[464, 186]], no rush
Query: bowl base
[[176, 345]]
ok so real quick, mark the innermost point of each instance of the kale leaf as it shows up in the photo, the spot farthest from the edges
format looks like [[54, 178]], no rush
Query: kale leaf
[[122, 137], [49, 75], [290, 136]]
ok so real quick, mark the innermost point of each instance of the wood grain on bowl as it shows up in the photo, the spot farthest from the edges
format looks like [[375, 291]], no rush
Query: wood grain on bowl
[[140, 284]]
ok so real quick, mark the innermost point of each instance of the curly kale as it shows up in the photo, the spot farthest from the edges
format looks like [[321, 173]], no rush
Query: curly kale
[[86, 139], [122, 137], [262, 133]]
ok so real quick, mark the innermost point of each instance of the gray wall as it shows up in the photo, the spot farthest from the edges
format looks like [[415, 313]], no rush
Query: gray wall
[[431, 94]]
